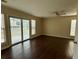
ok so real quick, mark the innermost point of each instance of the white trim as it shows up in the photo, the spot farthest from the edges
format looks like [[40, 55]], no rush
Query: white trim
[[59, 36]]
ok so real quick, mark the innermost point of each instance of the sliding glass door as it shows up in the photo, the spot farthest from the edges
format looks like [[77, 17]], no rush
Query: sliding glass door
[[15, 27], [19, 30], [26, 29]]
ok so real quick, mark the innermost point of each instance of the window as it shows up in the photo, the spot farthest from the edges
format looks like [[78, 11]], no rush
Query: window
[[3, 37], [33, 27], [73, 27]]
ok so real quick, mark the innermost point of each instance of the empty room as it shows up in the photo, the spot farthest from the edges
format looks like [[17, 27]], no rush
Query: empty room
[[39, 29]]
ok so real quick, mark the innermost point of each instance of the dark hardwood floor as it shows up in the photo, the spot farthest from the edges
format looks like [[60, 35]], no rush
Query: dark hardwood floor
[[42, 47]]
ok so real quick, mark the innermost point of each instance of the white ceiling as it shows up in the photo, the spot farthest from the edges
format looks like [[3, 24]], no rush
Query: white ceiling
[[44, 8]]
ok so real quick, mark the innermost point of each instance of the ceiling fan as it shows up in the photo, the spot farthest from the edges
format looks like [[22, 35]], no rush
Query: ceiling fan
[[3, 1], [59, 13]]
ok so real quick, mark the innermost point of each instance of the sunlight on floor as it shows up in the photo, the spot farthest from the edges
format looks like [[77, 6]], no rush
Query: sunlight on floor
[[70, 49]]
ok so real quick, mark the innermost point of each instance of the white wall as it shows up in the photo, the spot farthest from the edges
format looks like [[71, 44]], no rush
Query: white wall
[[57, 26]]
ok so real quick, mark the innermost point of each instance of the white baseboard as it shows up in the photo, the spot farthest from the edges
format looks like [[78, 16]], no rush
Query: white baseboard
[[35, 36], [59, 36]]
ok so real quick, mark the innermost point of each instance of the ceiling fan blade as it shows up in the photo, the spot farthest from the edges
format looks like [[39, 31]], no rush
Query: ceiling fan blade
[[57, 13]]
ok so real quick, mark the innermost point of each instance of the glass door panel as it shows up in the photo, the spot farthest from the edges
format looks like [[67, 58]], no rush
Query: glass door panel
[[26, 29], [15, 27]]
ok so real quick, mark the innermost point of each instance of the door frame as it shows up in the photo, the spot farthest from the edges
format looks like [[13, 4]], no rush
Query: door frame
[[21, 30]]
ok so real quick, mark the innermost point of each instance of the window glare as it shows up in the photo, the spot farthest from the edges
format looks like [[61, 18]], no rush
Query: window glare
[[73, 27]]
